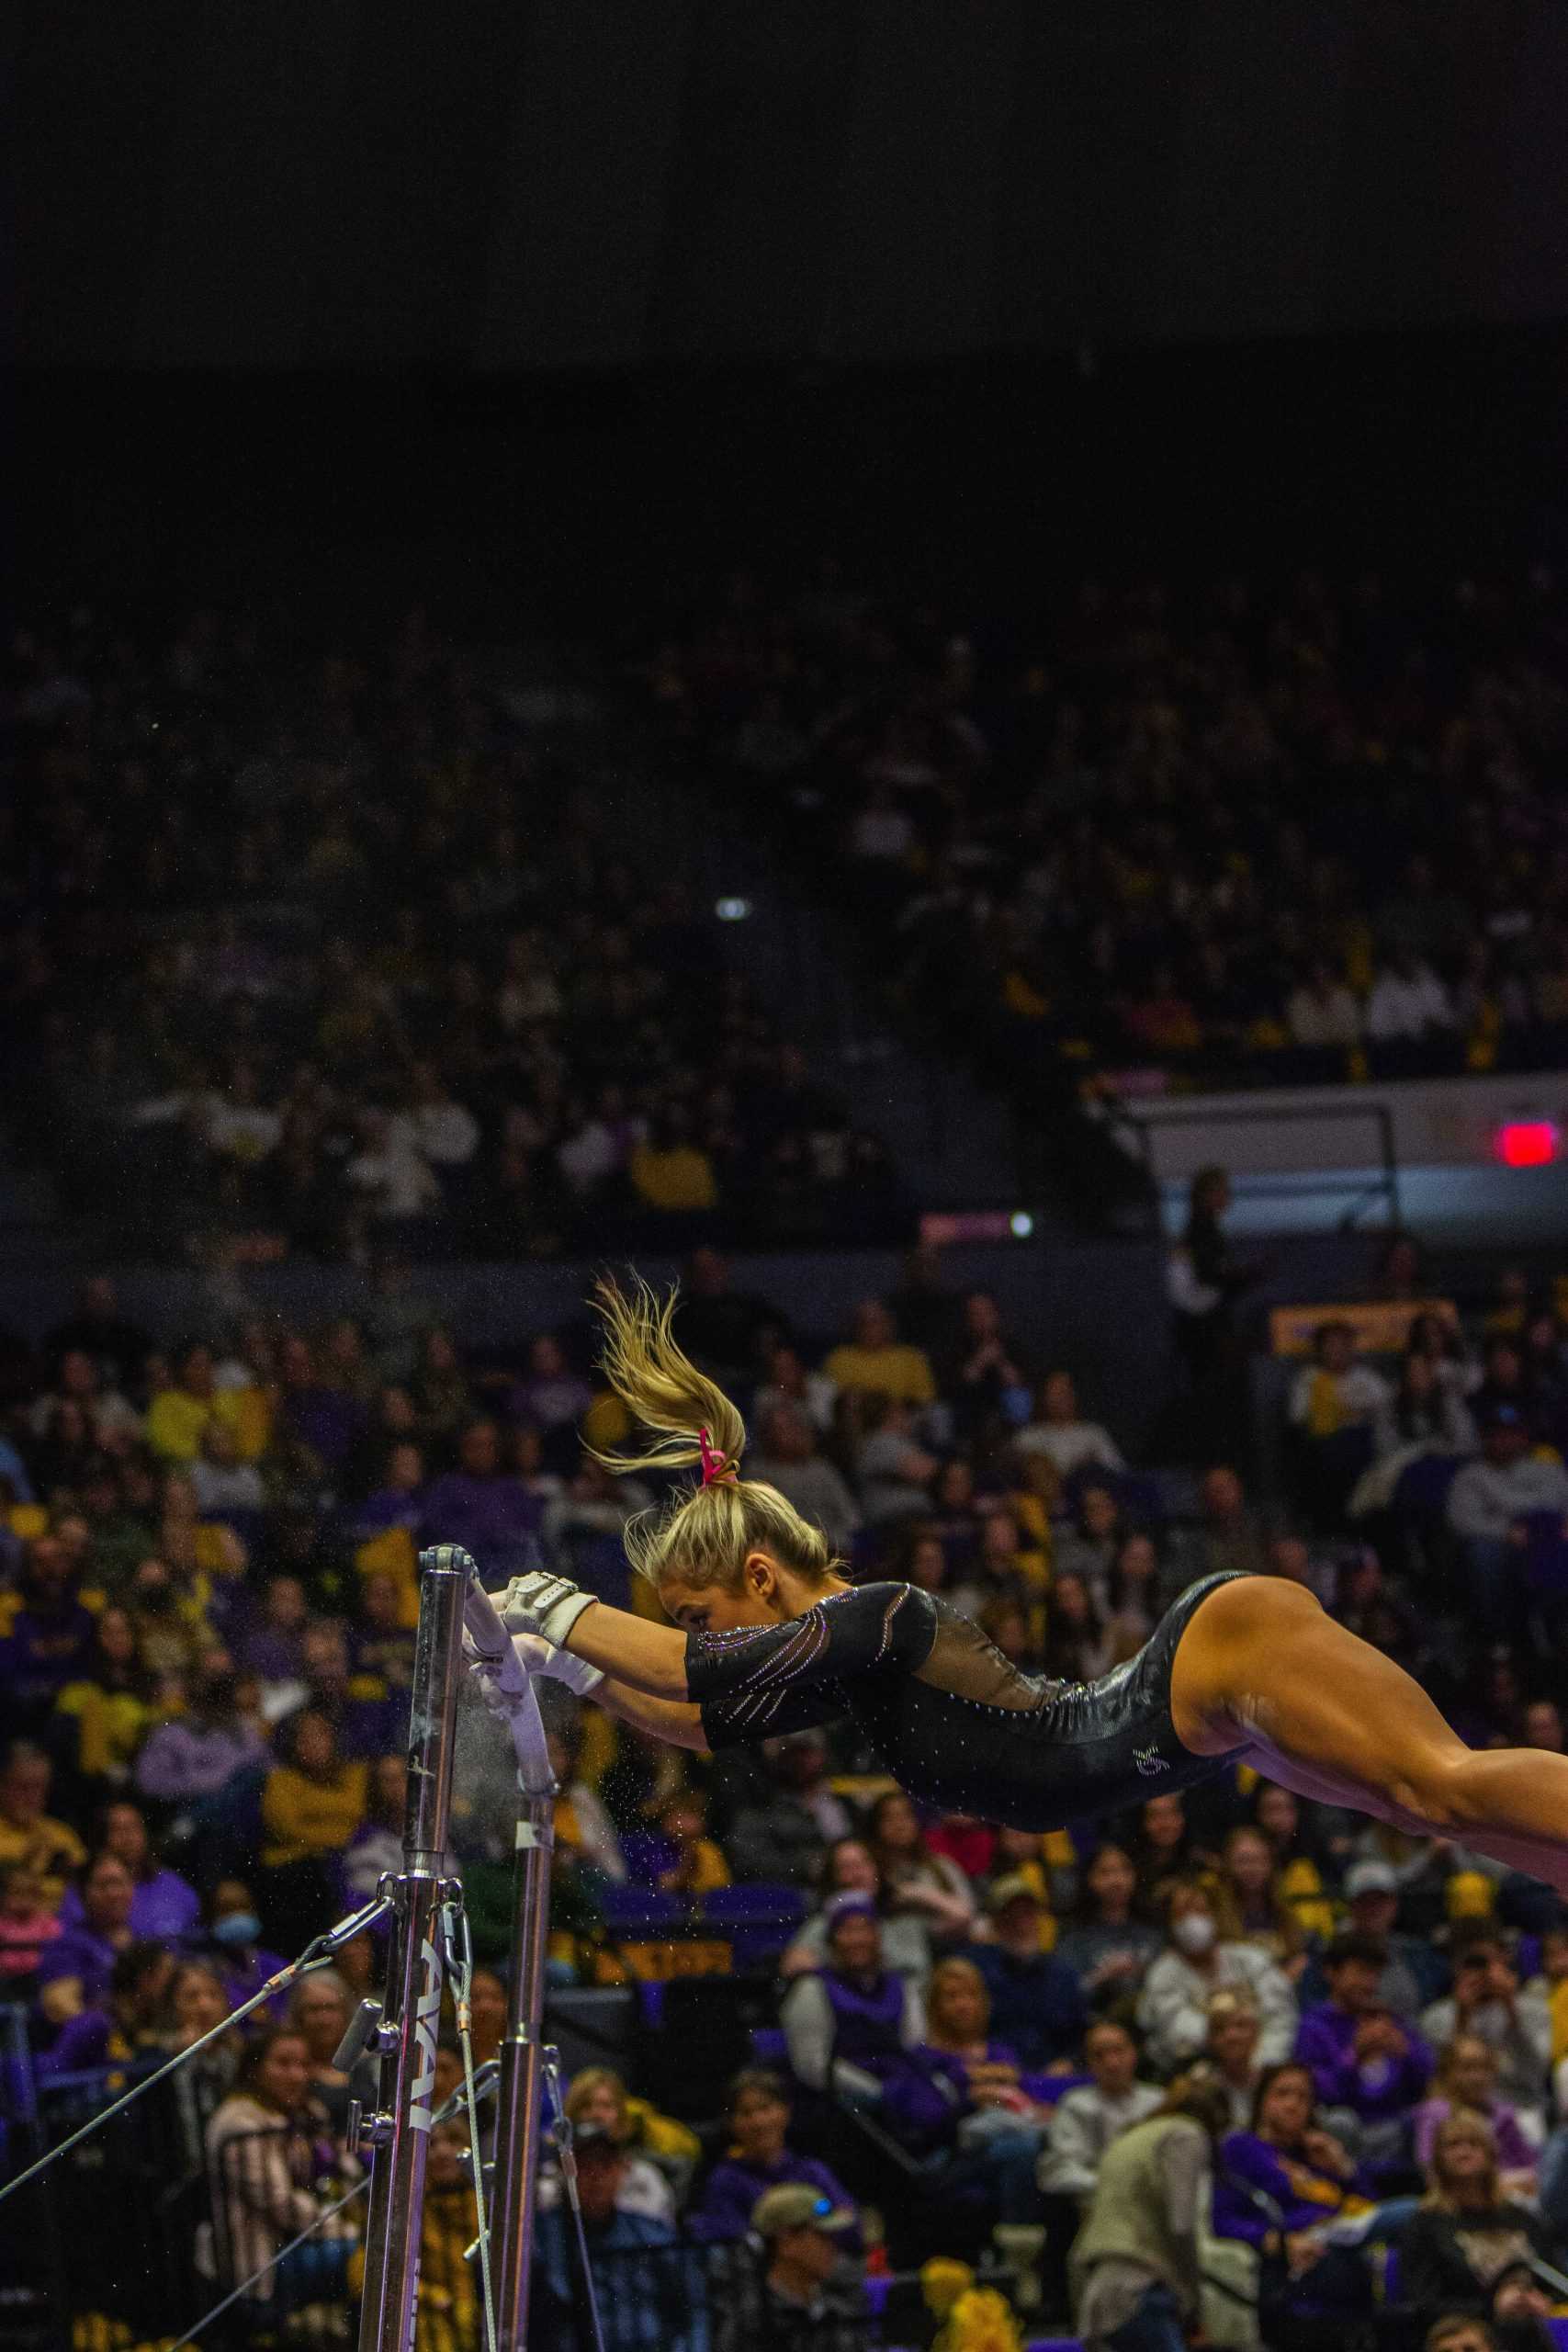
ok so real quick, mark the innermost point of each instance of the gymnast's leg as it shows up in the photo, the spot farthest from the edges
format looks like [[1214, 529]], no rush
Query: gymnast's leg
[[1333, 1719]]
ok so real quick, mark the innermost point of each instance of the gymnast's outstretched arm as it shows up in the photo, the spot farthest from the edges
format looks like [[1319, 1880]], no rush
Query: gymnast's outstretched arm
[[646, 1658], [671, 1720]]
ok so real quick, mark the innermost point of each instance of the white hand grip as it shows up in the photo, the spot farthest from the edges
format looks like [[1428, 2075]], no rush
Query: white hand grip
[[506, 1674]]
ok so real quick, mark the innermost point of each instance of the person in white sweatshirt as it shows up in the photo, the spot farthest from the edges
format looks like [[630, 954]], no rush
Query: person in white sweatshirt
[[1085, 2121]]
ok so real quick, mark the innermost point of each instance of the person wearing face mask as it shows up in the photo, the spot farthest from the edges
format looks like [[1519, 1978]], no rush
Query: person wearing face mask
[[1174, 2002], [233, 1942]]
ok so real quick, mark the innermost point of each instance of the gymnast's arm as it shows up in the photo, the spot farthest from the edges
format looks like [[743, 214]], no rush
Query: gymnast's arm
[[673, 1721]]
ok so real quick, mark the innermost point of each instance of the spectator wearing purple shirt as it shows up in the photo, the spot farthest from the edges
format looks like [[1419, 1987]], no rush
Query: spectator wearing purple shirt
[[122, 2021], [74, 1969], [478, 1505], [199, 1753], [51, 1640], [398, 1497], [273, 1648], [165, 1908], [329, 1420], [759, 2157], [1365, 2065], [234, 1947]]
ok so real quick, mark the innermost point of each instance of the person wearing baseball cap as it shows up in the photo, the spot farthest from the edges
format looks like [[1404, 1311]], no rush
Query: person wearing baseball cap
[[1415, 1974], [809, 2294]]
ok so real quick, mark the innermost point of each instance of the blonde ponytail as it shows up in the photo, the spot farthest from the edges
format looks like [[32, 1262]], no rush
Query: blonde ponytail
[[701, 1537], [660, 1386]]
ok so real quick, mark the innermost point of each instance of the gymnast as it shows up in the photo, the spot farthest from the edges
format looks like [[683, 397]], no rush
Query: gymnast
[[768, 1637]]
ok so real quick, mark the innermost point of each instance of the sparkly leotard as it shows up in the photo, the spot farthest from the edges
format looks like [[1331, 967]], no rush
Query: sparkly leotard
[[955, 1723]]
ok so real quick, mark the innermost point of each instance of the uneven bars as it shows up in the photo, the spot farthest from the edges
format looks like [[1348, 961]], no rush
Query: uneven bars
[[519, 2117]]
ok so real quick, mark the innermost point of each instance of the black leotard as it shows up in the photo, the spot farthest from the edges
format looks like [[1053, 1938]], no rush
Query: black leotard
[[955, 1723]]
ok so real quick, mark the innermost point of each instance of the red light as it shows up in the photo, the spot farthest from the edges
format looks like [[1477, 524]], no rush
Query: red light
[[1527, 1143]]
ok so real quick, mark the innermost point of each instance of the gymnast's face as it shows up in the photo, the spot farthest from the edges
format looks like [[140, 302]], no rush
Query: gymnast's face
[[766, 1595]]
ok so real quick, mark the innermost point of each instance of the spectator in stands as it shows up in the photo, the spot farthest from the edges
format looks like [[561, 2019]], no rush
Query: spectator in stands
[[1131, 1599], [1084, 2121], [1196, 1963], [599, 2095], [1337, 1409], [224, 1483], [1521, 2312], [990, 1386], [847, 2024], [1488, 1503], [1060, 1431], [787, 1458], [311, 1805], [1414, 1970], [807, 2296], [1260, 1912], [1091, 1547], [781, 1831], [653, 2304], [1278, 1813], [482, 1506], [1079, 1647], [1231, 2050], [874, 1360], [1467, 2232], [892, 1471], [320, 2007], [49, 1643], [1466, 2080], [271, 2174], [30, 1837], [73, 1973], [120, 2019], [110, 1708], [913, 1877], [1164, 1848], [165, 1906], [447, 2317], [1037, 2008], [1367, 2069], [1107, 1948], [1408, 1003], [234, 1942], [179, 1413], [1280, 2181], [1229, 1535], [849, 1867], [1514, 2021], [28, 1927], [1134, 2263], [758, 2157], [203, 1751]]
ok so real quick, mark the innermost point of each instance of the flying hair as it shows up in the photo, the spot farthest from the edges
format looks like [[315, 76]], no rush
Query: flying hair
[[702, 1535]]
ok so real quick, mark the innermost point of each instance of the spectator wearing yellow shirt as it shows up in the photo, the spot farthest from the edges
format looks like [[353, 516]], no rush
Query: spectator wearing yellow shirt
[[45, 1848], [671, 1172], [698, 1866], [875, 1360], [179, 1413], [112, 1704], [310, 1808]]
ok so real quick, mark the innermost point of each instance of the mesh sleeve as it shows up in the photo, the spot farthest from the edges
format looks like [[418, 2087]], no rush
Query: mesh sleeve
[[765, 1679]]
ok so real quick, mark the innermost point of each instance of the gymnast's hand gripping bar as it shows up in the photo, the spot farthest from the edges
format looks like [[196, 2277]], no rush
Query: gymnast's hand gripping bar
[[519, 2110]]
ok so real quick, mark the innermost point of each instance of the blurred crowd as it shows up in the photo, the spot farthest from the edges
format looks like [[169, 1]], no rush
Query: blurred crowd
[[1232, 2036], [1241, 832], [321, 950]]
